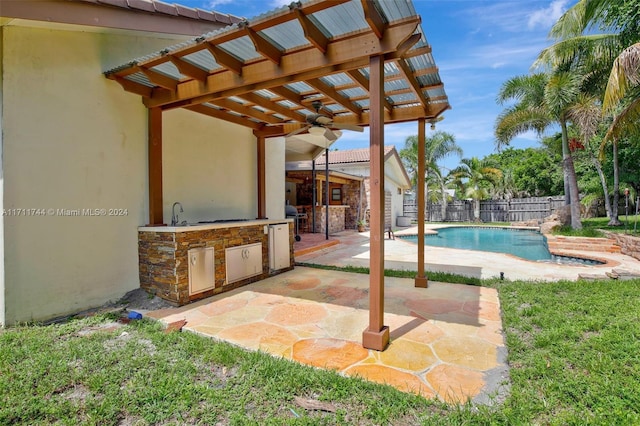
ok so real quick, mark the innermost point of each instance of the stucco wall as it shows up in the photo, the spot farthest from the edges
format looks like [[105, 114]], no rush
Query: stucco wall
[[275, 178], [74, 140], [209, 166], [2, 287]]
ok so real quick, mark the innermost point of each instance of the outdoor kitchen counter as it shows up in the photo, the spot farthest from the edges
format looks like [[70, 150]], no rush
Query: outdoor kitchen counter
[[163, 255], [206, 226]]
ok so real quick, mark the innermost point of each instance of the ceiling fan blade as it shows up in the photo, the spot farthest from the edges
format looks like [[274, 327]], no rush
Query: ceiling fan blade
[[346, 126], [322, 119], [330, 135], [300, 130]]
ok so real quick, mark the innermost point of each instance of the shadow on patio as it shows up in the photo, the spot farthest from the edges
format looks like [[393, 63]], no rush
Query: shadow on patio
[[446, 341]]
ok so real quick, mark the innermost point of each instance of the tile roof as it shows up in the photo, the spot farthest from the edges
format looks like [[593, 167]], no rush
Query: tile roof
[[166, 9], [360, 155]]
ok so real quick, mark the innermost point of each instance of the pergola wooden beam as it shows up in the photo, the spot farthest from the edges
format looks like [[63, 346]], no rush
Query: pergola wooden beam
[[215, 113], [189, 69], [373, 18], [376, 335], [421, 279], [311, 32], [342, 55], [133, 87], [272, 106], [333, 94], [246, 111], [159, 79], [262, 45], [413, 83], [225, 59], [363, 82]]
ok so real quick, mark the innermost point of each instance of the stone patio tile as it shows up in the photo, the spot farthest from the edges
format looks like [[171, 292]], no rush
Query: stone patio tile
[[259, 335], [345, 325], [390, 376], [239, 316], [221, 306], [428, 307], [408, 355], [332, 354], [293, 314], [455, 384], [418, 330], [492, 333], [483, 309], [469, 352]]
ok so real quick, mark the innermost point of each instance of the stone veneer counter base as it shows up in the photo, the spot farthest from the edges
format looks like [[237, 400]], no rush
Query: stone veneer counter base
[[163, 255]]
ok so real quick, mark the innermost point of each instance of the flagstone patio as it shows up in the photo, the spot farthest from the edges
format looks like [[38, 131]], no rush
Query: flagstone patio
[[446, 341]]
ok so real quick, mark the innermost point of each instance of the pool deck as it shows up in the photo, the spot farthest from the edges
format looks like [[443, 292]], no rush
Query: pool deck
[[353, 250]]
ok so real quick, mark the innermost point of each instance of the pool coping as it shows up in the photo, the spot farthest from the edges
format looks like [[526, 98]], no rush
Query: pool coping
[[604, 262]]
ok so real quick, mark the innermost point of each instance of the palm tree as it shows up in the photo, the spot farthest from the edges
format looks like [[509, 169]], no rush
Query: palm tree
[[475, 177], [578, 45], [439, 183], [542, 100], [437, 146]]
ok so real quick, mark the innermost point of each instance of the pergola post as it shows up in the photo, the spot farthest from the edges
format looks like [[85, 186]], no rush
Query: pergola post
[[154, 152], [376, 336], [262, 198], [421, 279]]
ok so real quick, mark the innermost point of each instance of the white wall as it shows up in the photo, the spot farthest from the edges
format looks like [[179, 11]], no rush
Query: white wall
[[275, 178], [209, 166], [2, 287], [74, 140]]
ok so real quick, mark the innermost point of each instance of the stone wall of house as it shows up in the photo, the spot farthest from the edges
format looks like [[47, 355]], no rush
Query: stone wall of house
[[163, 259], [629, 244], [351, 197], [336, 219]]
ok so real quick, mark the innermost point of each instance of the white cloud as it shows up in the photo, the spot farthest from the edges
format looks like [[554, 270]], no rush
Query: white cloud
[[279, 3], [548, 16], [213, 4]]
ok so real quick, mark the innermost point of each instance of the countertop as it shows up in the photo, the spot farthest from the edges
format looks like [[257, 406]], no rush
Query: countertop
[[206, 226]]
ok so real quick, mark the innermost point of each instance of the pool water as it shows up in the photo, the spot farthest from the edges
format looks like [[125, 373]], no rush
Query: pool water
[[527, 244]]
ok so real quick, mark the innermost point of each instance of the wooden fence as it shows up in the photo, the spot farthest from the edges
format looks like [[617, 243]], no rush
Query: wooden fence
[[515, 210]]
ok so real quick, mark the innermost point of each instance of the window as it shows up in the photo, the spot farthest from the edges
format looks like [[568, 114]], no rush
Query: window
[[336, 194]]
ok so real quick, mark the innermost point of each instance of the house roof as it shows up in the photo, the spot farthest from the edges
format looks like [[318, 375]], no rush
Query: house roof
[[265, 73], [359, 155], [137, 15], [161, 8]]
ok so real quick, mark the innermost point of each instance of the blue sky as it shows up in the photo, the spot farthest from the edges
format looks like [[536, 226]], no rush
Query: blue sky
[[477, 45]]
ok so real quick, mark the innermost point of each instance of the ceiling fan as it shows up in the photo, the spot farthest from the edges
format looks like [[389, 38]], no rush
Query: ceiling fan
[[320, 125]]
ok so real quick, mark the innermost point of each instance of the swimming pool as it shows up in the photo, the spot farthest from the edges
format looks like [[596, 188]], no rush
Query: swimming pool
[[524, 243]]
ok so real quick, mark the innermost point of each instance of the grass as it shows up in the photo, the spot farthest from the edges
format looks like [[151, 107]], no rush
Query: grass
[[592, 227], [574, 356]]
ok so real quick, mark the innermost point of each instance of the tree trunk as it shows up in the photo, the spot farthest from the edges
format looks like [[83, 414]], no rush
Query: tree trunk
[[605, 188], [570, 175], [476, 209], [565, 171], [443, 206], [613, 219]]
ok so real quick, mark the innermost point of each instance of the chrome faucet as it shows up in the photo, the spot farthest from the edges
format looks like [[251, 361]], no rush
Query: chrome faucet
[[174, 215]]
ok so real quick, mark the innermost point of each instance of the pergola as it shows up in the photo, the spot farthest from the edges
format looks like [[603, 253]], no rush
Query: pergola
[[368, 61]]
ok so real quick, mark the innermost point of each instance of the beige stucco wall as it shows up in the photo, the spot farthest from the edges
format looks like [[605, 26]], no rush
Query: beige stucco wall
[[209, 166], [74, 140], [275, 178], [2, 286]]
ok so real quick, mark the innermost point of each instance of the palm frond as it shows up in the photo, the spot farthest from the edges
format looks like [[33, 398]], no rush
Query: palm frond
[[514, 121], [587, 115], [624, 73], [625, 123], [590, 51]]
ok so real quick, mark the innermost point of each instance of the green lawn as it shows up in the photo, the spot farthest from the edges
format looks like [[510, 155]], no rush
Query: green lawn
[[574, 355], [591, 227]]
